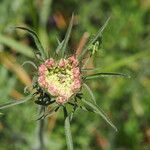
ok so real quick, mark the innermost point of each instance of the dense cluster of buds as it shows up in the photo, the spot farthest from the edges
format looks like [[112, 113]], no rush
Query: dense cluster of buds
[[61, 79]]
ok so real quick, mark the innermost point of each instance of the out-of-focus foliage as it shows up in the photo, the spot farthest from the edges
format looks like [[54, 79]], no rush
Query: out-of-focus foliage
[[125, 48]]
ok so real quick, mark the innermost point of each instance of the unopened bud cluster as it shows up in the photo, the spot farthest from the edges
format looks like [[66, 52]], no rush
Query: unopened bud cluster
[[61, 79]]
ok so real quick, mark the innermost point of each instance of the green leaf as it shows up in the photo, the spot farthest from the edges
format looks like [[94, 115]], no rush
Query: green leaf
[[103, 74], [21, 48], [90, 92], [36, 40], [67, 36], [68, 133], [85, 108], [99, 33], [89, 69], [15, 102], [99, 111], [49, 113]]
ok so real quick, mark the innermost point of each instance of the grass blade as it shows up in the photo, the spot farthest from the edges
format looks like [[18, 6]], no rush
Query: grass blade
[[21, 48], [36, 40], [128, 60], [15, 102], [68, 133], [99, 33], [103, 74], [44, 13], [100, 112], [67, 36]]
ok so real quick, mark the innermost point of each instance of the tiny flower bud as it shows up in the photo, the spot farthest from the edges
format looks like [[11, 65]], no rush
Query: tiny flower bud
[[42, 69], [76, 72], [61, 100], [62, 63], [50, 63], [73, 61]]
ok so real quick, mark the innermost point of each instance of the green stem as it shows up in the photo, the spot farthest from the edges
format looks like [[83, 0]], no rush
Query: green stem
[[41, 133], [67, 129], [68, 134], [18, 47]]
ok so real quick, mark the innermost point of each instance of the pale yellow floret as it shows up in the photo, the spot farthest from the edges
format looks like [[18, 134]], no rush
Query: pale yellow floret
[[56, 79]]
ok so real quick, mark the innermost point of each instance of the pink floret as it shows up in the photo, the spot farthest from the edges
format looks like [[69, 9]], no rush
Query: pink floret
[[61, 100], [76, 72], [42, 69], [76, 85], [41, 81], [62, 63], [53, 90], [49, 62], [73, 60]]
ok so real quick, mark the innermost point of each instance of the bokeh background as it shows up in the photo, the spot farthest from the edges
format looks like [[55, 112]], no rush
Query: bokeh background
[[125, 48]]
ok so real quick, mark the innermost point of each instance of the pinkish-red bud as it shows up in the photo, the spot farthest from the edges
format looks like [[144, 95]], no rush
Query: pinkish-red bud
[[50, 63]]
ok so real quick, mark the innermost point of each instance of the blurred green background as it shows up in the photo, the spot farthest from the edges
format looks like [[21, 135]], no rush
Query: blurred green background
[[125, 48]]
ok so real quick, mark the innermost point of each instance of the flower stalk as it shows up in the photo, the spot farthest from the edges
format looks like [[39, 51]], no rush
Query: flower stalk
[[41, 133]]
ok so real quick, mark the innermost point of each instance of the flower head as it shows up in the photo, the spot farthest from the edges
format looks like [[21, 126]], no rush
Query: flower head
[[61, 79]]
